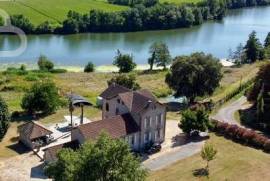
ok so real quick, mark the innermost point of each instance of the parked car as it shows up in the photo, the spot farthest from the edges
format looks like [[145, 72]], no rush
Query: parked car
[[154, 148]]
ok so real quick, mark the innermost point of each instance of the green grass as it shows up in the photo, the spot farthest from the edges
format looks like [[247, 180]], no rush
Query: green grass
[[39, 11], [233, 162]]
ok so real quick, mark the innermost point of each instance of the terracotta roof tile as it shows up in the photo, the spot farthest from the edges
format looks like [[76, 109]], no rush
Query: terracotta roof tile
[[34, 130], [116, 127], [113, 90]]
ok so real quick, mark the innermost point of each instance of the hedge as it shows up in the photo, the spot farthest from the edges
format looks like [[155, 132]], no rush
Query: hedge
[[242, 135]]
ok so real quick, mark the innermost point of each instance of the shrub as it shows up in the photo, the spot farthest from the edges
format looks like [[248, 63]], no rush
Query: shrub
[[31, 77], [42, 97], [4, 118], [231, 130], [44, 63], [266, 146], [90, 67], [124, 62], [221, 127], [259, 141], [128, 81], [58, 71], [248, 135]]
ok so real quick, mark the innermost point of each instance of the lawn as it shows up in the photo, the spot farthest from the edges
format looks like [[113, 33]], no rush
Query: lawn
[[39, 11], [233, 162]]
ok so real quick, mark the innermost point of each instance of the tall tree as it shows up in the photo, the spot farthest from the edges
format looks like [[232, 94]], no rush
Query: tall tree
[[162, 55], [4, 118], [151, 60], [105, 159], [194, 75], [254, 49], [267, 40], [124, 62], [239, 56]]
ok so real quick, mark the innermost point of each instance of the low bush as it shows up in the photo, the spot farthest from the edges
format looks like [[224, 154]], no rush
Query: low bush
[[58, 71], [266, 146], [31, 77]]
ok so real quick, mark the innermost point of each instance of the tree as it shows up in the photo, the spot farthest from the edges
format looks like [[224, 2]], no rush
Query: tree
[[90, 67], [161, 54], [193, 122], [44, 63], [1, 21], [124, 62], [105, 159], [42, 97], [267, 40], [208, 154], [128, 81], [151, 60], [254, 49], [239, 56], [194, 75], [4, 118], [23, 23], [45, 28]]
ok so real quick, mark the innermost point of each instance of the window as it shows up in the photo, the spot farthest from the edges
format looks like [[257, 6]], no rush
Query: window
[[132, 139], [147, 137], [117, 111], [107, 107], [147, 122], [118, 100], [159, 120]]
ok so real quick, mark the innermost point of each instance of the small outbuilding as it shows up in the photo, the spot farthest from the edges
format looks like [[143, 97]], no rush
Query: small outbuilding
[[33, 135]]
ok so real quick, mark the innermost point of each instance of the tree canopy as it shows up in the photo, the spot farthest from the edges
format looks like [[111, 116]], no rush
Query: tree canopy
[[195, 75], [44, 63], [267, 40], [194, 121], [90, 67], [4, 118], [128, 81], [105, 159], [124, 62], [160, 55], [254, 49], [42, 97]]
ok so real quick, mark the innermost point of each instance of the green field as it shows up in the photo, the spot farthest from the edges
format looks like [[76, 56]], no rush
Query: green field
[[39, 11]]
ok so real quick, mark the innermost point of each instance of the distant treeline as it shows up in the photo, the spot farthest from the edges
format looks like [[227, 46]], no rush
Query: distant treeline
[[149, 15]]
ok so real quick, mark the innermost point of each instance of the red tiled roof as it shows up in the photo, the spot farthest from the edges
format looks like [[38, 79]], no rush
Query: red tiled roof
[[52, 151], [116, 127], [34, 130], [113, 90], [136, 101]]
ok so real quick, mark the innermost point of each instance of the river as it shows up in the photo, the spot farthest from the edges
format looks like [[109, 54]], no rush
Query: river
[[215, 37]]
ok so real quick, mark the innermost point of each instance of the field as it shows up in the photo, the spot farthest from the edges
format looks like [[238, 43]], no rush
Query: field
[[233, 162], [39, 11], [90, 85]]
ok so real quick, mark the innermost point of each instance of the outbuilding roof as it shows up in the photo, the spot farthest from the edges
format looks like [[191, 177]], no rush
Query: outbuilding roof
[[52, 151], [116, 127], [34, 130]]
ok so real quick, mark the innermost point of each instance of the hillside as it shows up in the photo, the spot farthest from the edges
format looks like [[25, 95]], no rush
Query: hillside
[[39, 11]]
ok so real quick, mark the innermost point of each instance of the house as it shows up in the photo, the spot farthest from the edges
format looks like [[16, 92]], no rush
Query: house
[[136, 116], [33, 134]]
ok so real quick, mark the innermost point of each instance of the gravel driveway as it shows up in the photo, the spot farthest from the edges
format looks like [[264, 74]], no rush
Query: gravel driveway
[[226, 113]]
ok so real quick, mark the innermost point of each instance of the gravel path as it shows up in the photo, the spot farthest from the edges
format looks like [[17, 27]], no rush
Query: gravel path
[[226, 113], [174, 156]]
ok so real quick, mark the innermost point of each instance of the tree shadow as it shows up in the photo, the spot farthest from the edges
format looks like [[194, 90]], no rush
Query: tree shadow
[[182, 139], [201, 172], [37, 172]]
